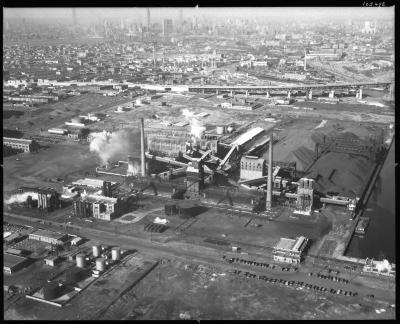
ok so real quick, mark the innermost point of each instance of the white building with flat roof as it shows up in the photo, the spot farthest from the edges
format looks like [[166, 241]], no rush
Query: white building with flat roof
[[290, 250]]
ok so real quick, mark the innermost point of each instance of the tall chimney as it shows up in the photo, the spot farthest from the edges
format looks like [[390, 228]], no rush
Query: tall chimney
[[269, 185], [143, 158]]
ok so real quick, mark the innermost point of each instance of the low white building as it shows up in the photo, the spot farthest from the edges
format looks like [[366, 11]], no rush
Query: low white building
[[290, 250]]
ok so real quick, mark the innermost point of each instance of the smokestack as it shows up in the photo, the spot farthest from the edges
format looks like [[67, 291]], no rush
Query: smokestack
[[143, 158], [269, 186]]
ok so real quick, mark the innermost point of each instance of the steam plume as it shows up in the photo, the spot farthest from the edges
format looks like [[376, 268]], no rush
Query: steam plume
[[116, 145], [21, 198], [133, 168], [196, 127]]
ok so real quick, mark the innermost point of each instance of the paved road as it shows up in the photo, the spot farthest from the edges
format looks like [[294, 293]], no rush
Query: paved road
[[206, 255]]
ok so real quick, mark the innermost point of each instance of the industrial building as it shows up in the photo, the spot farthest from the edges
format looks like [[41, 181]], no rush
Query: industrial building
[[290, 250], [26, 145], [48, 237], [251, 167], [47, 199], [12, 263], [99, 206]]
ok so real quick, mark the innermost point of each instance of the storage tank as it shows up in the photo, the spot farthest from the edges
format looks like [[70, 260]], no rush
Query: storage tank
[[115, 253], [138, 101], [51, 290], [220, 130], [100, 264], [170, 209], [77, 120], [186, 209], [80, 260], [72, 276], [96, 250]]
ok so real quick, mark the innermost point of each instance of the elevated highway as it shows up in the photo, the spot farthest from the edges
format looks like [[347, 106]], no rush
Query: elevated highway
[[328, 86]]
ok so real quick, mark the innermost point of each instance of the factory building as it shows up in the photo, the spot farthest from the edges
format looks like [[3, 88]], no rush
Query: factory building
[[26, 145], [195, 178], [48, 237], [48, 199], [305, 196], [12, 263], [290, 250], [172, 147], [100, 207], [251, 167]]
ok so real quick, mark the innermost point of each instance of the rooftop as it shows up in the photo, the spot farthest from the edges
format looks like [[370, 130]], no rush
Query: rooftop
[[250, 134], [46, 233], [11, 260]]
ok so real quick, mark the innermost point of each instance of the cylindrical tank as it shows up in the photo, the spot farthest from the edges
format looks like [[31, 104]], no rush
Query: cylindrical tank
[[220, 130], [80, 260], [170, 209], [96, 251], [115, 253], [72, 276], [186, 209], [100, 264], [51, 290]]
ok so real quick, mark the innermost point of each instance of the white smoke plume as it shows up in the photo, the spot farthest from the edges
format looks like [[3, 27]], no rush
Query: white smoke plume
[[383, 266], [133, 168], [21, 198], [196, 127], [113, 146]]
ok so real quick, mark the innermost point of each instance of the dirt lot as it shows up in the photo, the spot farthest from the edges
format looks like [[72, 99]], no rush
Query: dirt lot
[[57, 161], [173, 292], [55, 114]]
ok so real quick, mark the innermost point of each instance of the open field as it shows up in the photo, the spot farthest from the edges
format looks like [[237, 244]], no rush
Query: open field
[[205, 293], [55, 114]]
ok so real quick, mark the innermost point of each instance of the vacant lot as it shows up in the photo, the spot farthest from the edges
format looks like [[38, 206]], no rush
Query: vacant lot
[[173, 292]]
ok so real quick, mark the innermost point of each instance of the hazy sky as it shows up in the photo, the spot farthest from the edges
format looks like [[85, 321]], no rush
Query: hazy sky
[[91, 15]]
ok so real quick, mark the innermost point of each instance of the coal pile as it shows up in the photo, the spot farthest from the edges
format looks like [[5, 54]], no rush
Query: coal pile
[[157, 228]]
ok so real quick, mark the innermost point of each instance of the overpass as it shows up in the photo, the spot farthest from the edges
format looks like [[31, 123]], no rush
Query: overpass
[[308, 88], [328, 86]]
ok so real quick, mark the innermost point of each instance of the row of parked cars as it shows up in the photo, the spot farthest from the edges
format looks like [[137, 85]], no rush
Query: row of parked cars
[[258, 264], [295, 283], [333, 278]]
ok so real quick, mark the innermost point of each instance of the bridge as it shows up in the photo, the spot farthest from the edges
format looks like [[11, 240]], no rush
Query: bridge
[[308, 88], [328, 86]]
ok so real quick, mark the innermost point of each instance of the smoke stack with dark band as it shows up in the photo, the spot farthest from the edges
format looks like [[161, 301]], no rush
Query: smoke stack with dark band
[[143, 158]]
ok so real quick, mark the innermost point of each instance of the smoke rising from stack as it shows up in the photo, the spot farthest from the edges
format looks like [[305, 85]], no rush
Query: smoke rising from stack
[[21, 198], [114, 146], [196, 127], [133, 167]]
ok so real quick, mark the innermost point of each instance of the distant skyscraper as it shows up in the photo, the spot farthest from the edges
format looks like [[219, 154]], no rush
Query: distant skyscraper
[[148, 19], [74, 20], [180, 18], [167, 27]]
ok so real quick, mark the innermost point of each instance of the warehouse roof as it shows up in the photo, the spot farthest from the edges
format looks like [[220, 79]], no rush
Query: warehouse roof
[[46, 233], [249, 135], [285, 244], [293, 245], [11, 260]]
